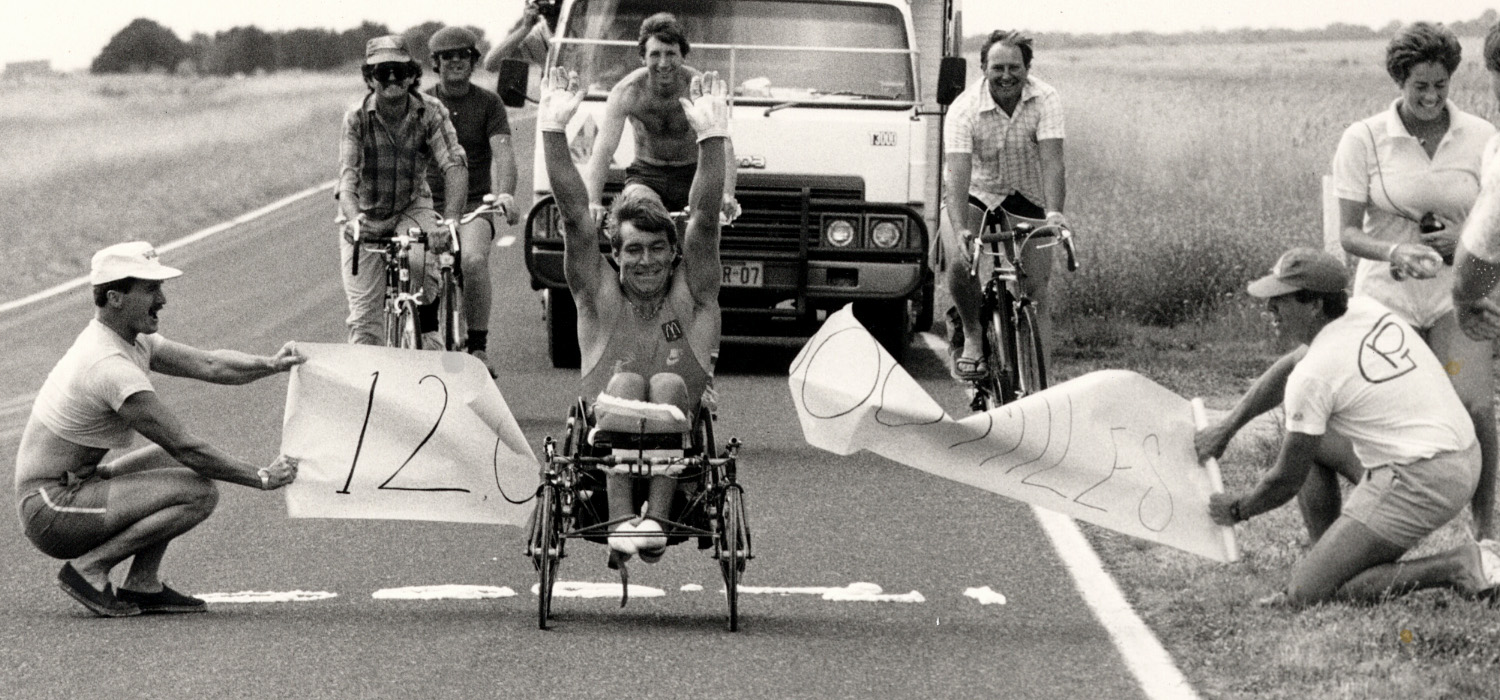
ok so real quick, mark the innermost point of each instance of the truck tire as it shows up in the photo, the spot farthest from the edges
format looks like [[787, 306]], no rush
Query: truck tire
[[562, 328], [889, 321], [927, 298]]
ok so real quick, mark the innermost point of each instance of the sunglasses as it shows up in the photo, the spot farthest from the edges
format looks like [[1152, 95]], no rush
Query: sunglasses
[[388, 73], [455, 55]]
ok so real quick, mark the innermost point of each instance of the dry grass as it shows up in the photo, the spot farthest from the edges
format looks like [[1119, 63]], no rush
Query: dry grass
[[96, 160]]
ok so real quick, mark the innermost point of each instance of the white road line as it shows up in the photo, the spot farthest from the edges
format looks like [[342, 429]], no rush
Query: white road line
[[1143, 653], [185, 240], [505, 242]]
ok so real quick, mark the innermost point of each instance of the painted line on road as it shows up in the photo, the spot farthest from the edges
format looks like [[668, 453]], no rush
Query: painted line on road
[[185, 240], [1143, 653], [505, 242], [443, 592], [266, 596]]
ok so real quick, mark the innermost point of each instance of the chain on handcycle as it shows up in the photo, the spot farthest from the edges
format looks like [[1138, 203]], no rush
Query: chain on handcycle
[[1012, 340]]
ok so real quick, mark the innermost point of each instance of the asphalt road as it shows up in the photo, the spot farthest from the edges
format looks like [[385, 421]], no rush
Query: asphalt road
[[819, 520]]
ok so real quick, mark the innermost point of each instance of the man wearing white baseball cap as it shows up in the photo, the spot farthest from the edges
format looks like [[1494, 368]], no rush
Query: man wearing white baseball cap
[[74, 505], [1368, 377]]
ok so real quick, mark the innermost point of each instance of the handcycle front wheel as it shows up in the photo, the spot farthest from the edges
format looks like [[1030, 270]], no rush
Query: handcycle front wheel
[[1031, 362]]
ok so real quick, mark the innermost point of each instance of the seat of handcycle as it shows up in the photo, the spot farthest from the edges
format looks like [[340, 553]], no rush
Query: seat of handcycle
[[628, 428]]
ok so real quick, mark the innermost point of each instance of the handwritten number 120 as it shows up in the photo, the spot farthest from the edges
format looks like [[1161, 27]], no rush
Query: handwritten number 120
[[365, 425]]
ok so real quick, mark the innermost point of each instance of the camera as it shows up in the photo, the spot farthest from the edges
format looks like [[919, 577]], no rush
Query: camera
[[1430, 224]]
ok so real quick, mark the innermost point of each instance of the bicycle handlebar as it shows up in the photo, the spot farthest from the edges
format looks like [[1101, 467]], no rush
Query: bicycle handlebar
[[1026, 232]]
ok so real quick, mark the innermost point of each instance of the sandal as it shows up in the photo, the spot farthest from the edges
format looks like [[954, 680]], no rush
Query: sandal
[[970, 369]]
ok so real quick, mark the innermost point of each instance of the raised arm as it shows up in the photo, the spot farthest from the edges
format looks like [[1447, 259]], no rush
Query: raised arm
[[561, 95], [510, 45], [607, 141], [708, 111], [221, 366]]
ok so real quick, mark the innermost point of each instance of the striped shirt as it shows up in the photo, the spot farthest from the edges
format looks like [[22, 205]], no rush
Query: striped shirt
[[1006, 158], [385, 165]]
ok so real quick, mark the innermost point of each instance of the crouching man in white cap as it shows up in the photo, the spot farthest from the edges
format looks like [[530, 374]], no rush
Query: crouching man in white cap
[[1368, 378], [77, 507]]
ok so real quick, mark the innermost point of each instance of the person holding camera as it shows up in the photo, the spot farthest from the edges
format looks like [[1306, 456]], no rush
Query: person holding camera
[[1405, 180], [530, 39]]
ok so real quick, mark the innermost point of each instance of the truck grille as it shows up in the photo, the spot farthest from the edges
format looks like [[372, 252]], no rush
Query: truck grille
[[771, 215]]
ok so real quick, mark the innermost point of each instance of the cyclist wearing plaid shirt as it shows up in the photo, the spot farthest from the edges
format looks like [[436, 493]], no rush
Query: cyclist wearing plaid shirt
[[389, 140], [1003, 142]]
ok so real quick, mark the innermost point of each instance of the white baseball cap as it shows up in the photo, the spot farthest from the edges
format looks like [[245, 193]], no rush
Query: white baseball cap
[[135, 259]]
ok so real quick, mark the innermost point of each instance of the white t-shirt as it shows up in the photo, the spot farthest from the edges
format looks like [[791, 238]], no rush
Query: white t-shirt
[[1369, 377], [1380, 163], [81, 399]]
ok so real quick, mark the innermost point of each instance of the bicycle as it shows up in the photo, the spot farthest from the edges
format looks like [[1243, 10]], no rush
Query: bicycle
[[1011, 339], [403, 294], [450, 275]]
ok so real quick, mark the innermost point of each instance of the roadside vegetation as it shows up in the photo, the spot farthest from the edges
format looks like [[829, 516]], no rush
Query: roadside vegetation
[[1190, 170]]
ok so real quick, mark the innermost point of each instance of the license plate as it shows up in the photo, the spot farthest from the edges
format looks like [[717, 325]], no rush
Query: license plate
[[743, 273]]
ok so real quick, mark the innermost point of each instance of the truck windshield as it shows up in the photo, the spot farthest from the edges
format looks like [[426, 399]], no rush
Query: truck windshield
[[771, 51]]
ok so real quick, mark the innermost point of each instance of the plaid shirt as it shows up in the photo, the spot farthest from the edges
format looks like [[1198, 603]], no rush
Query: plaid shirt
[[385, 166], [1004, 148]]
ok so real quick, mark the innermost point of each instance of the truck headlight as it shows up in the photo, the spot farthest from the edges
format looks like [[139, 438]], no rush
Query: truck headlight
[[839, 232], [885, 233]]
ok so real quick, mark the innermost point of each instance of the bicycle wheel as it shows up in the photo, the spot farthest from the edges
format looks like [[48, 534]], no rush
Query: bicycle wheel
[[1000, 356], [454, 333], [1031, 362], [733, 540], [401, 328], [545, 552]]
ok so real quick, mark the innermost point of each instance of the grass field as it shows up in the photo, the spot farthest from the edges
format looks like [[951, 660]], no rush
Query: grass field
[[1190, 169], [97, 160]]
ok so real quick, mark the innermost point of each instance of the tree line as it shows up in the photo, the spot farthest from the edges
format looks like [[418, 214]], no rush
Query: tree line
[[145, 46]]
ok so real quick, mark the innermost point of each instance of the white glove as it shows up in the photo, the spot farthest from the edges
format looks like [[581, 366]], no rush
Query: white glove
[[708, 110], [561, 95]]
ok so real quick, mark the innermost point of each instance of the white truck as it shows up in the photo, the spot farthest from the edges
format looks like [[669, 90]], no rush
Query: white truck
[[837, 127]]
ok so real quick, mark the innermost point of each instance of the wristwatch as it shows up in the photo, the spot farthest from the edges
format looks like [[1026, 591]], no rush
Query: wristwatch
[[265, 479]]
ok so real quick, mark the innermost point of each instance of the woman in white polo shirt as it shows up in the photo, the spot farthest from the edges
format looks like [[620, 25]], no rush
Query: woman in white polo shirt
[[1406, 178]]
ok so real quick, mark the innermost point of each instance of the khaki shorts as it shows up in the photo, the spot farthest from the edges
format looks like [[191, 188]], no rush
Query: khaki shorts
[[67, 519], [1404, 503]]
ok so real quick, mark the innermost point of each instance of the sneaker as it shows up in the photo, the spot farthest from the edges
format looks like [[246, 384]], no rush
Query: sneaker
[[102, 603], [164, 601], [650, 542], [1489, 567]]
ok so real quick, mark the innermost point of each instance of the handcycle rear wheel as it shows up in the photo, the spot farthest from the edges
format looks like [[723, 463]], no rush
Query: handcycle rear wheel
[[1031, 363], [545, 551], [733, 550], [454, 333], [401, 327]]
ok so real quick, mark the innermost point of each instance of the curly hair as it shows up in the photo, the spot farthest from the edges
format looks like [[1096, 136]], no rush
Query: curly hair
[[666, 29], [1009, 38], [645, 214], [1421, 42]]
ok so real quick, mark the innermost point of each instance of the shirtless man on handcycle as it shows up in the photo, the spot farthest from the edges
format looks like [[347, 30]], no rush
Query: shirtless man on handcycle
[[650, 332], [666, 148]]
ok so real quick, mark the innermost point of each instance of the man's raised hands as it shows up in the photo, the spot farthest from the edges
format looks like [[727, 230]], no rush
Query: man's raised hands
[[561, 95], [708, 110]]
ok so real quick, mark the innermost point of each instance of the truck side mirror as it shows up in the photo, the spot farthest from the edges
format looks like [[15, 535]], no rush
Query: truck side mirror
[[512, 83], [951, 77]]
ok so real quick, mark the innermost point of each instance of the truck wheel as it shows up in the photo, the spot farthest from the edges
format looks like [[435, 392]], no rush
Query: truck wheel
[[562, 328], [924, 313], [889, 321]]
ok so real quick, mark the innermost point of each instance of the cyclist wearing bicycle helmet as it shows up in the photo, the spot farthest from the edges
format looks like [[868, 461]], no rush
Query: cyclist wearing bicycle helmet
[[651, 331], [666, 151], [1003, 142], [389, 140], [479, 119]]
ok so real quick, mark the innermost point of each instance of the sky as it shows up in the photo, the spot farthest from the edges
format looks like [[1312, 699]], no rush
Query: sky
[[70, 33]]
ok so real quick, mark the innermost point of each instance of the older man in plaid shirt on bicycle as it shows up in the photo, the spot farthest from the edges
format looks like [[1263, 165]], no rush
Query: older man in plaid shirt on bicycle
[[1003, 142], [389, 139]]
